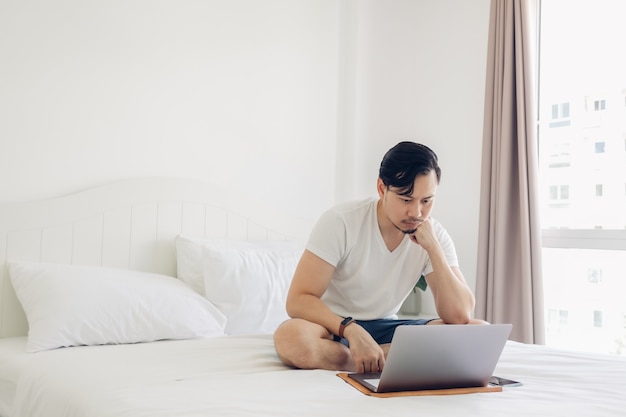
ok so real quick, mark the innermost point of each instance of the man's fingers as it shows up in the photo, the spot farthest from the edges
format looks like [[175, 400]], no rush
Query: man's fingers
[[371, 366]]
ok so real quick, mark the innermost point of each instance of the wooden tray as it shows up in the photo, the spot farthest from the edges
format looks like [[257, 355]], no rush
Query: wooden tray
[[447, 391]]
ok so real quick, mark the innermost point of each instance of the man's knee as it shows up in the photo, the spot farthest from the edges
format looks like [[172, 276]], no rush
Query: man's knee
[[288, 331], [298, 343], [289, 342]]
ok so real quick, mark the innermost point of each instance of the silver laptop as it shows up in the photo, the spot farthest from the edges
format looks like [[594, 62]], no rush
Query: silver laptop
[[439, 356]]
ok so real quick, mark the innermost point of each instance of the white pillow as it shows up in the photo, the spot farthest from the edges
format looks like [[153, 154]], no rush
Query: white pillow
[[247, 281], [68, 305], [189, 262]]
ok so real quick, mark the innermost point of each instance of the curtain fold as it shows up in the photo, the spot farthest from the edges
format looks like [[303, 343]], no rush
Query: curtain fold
[[509, 282]]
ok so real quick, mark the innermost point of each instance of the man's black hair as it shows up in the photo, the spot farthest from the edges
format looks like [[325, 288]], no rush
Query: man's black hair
[[404, 162]]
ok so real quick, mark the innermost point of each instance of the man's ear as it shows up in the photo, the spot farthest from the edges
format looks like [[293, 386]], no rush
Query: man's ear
[[381, 188]]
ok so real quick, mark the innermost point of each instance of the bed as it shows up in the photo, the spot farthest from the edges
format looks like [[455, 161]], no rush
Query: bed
[[158, 297]]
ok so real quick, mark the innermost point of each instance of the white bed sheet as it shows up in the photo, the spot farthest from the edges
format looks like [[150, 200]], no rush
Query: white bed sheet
[[242, 376], [13, 358]]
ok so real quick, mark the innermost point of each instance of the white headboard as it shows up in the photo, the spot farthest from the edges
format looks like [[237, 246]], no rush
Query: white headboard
[[129, 224]]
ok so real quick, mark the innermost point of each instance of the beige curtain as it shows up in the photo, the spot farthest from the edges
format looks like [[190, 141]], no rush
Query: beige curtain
[[509, 285]]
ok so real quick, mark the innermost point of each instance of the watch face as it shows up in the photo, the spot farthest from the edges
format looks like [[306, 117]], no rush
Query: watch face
[[346, 320]]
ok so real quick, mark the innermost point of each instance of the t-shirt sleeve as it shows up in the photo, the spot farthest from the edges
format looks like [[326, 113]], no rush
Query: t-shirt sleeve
[[328, 238]]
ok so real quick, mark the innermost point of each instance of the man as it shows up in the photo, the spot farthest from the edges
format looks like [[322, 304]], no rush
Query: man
[[362, 260]]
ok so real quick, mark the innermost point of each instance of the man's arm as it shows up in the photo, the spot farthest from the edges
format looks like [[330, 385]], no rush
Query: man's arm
[[453, 298], [311, 279]]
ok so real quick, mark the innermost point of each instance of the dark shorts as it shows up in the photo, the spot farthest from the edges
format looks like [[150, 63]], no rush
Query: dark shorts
[[382, 330]]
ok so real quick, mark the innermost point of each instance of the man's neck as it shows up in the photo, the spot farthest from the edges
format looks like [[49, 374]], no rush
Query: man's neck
[[390, 233]]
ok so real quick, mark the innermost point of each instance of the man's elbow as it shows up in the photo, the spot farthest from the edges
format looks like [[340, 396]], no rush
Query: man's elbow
[[457, 315], [291, 307], [458, 318]]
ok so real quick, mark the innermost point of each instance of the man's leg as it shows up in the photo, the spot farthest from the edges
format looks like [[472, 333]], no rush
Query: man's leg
[[302, 344]]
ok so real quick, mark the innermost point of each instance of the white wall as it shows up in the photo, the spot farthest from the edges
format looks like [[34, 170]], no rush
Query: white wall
[[241, 92], [294, 101], [421, 76]]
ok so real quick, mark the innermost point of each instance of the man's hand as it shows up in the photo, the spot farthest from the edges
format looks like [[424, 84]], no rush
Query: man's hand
[[425, 235], [367, 355]]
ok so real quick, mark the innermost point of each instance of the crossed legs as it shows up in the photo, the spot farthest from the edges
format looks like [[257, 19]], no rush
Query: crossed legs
[[306, 345]]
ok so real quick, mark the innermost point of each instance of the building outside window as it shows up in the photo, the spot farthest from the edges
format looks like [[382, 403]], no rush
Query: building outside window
[[582, 159]]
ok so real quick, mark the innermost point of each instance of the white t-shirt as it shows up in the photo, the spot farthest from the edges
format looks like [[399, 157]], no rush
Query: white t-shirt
[[369, 282]]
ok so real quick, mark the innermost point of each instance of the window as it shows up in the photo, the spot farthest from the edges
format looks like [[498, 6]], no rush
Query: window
[[560, 111], [599, 190], [559, 195], [599, 147], [582, 162], [557, 318], [597, 318], [594, 275], [559, 155], [599, 105], [560, 115]]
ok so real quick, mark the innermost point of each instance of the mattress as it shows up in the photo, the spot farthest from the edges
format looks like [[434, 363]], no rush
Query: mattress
[[242, 376]]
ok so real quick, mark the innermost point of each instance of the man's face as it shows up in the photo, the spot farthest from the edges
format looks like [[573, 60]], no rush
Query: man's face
[[406, 212]]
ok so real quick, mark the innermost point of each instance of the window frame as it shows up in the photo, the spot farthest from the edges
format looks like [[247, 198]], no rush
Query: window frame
[[601, 239]]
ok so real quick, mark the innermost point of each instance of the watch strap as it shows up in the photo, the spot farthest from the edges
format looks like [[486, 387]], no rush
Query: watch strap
[[345, 323]]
